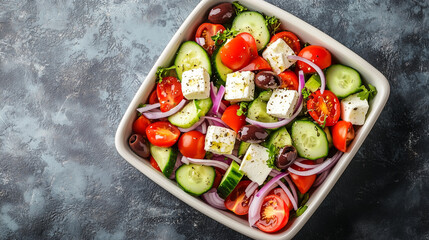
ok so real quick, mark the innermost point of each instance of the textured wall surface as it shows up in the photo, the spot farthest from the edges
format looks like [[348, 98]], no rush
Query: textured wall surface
[[69, 69]]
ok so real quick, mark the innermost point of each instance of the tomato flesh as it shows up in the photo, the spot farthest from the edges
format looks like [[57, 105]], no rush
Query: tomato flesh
[[237, 201], [303, 183], [290, 38], [251, 43], [289, 80], [231, 118], [191, 144], [324, 108], [169, 92], [257, 64], [342, 134], [318, 55], [281, 193], [205, 32], [162, 134], [236, 54], [140, 125], [153, 98], [273, 214]]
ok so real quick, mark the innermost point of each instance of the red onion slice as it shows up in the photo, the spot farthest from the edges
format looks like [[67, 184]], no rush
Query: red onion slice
[[218, 99], [320, 168], [289, 195], [251, 189], [206, 162], [313, 65], [213, 199], [292, 188], [238, 160], [148, 107], [300, 87], [157, 115], [275, 124], [321, 178], [216, 120], [307, 166], [200, 41], [204, 127]]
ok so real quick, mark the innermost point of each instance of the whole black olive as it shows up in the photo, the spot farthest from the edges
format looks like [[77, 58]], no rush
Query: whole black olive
[[286, 157], [221, 13], [252, 134], [267, 80], [139, 145]]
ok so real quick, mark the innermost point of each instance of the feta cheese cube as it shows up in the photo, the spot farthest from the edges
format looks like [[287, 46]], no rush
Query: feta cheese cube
[[254, 163], [219, 140], [354, 110], [240, 86], [282, 103], [196, 84], [276, 55]]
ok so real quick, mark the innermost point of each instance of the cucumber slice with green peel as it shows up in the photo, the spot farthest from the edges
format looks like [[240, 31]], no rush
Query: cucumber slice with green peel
[[220, 69], [342, 80], [265, 95], [230, 180], [190, 56], [309, 140], [313, 83], [203, 106], [195, 179], [242, 148], [258, 111], [165, 158], [186, 117], [279, 138], [253, 23]]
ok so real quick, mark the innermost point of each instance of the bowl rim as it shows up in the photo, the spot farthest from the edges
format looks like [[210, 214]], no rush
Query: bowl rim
[[305, 31]]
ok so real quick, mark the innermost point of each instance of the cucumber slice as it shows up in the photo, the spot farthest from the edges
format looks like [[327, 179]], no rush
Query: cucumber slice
[[186, 117], [342, 80], [195, 179], [165, 158], [279, 138], [203, 106], [230, 180], [220, 69], [265, 95], [190, 56], [258, 111], [253, 23], [309, 140], [243, 148], [313, 83]]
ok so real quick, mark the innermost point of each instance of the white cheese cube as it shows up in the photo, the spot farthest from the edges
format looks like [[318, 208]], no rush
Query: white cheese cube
[[276, 55], [196, 84], [282, 103], [354, 110], [240, 86], [254, 163], [219, 140]]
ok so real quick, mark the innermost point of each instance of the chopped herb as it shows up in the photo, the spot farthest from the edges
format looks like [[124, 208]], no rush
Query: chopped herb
[[163, 72], [367, 94], [140, 106], [243, 108], [273, 152], [221, 37], [307, 44], [238, 8], [301, 210], [272, 23], [324, 121], [305, 93]]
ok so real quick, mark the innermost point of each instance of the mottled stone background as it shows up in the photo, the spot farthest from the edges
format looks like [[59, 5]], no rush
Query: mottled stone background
[[68, 70]]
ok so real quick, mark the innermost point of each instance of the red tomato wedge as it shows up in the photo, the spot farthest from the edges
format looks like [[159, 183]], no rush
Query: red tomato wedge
[[290, 38], [169, 92], [303, 183], [324, 108], [231, 118], [342, 134], [153, 97], [274, 215], [237, 201], [162, 134], [140, 125], [289, 80], [204, 35], [257, 64]]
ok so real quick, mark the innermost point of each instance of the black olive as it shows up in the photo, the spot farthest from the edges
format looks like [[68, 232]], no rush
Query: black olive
[[267, 80], [221, 13], [252, 134], [286, 157], [139, 145]]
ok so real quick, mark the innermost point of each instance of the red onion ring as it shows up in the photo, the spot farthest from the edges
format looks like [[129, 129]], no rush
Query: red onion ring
[[216, 120], [238, 160], [289, 195], [157, 115], [213, 199], [320, 168], [307, 166], [205, 162], [250, 189], [218, 99], [321, 178], [313, 65], [148, 107], [204, 127], [292, 187], [300, 87], [275, 124], [200, 41]]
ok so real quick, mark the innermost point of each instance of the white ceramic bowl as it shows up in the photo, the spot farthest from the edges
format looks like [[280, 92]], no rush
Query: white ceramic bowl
[[306, 33]]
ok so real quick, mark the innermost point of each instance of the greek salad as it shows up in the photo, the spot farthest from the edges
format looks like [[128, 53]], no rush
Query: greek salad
[[249, 118]]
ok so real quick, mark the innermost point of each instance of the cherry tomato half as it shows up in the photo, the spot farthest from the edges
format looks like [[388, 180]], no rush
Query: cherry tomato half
[[317, 54], [303, 183], [289, 80], [324, 107], [169, 92], [251, 42], [237, 201], [140, 125], [154, 164], [290, 38], [258, 63], [342, 134], [153, 97], [236, 54], [281, 193], [231, 118], [218, 178], [191, 144], [162, 134], [206, 31], [274, 215]]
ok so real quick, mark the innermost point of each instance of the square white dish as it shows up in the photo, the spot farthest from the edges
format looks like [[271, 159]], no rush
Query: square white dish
[[306, 33]]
